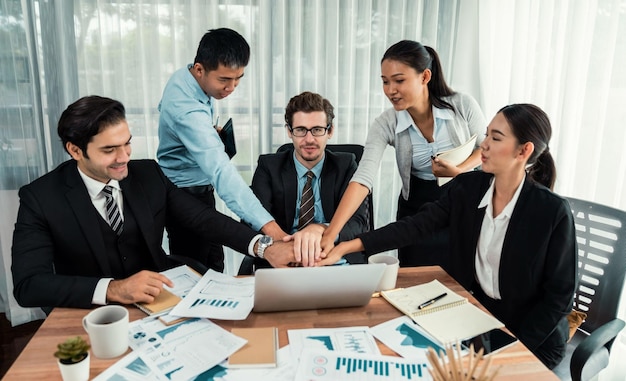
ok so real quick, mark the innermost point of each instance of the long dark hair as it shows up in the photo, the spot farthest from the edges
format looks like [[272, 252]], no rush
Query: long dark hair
[[529, 123], [420, 58]]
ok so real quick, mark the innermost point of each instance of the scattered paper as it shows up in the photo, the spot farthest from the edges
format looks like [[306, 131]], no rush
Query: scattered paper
[[344, 339], [218, 296], [334, 366]]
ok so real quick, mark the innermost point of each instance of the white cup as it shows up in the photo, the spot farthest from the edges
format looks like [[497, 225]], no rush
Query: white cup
[[388, 281], [107, 327]]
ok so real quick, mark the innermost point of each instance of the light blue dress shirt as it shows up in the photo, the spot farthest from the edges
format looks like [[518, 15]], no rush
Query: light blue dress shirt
[[191, 152], [423, 150]]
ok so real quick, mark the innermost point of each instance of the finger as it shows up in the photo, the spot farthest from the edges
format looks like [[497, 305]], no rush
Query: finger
[[318, 250], [305, 252], [166, 281], [288, 238], [312, 252], [297, 252]]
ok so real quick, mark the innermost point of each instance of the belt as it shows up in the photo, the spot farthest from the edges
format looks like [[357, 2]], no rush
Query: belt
[[198, 189]]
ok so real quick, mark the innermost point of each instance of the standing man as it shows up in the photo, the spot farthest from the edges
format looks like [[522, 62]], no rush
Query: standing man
[[281, 180], [90, 231], [191, 152]]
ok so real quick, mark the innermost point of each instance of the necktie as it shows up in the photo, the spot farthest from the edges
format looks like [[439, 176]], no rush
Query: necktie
[[307, 210], [113, 212]]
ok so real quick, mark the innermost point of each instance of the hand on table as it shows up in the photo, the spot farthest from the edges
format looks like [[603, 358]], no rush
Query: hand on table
[[142, 287]]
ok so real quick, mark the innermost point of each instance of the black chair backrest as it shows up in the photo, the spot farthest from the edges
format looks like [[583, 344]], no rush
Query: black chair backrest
[[601, 236]]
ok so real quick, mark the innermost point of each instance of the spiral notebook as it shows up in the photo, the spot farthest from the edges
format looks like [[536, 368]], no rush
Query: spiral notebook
[[449, 318]]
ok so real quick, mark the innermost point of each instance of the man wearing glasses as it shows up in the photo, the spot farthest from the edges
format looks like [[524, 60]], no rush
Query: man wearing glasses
[[301, 187]]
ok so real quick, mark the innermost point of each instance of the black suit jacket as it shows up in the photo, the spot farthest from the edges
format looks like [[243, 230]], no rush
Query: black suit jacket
[[58, 248], [275, 183], [538, 263]]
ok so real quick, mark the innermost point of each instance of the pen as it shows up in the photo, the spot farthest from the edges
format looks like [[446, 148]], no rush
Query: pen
[[431, 301], [217, 121]]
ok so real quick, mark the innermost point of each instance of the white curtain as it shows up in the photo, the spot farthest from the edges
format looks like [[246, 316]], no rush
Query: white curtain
[[566, 56]]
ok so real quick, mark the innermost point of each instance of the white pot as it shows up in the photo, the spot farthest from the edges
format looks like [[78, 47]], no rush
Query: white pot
[[75, 372]]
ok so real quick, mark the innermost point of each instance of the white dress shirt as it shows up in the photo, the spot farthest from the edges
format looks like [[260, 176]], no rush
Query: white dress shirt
[[94, 188], [490, 241]]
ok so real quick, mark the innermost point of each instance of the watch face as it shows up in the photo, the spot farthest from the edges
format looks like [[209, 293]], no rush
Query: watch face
[[266, 240]]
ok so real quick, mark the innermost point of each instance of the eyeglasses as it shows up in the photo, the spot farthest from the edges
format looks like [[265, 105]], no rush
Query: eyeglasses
[[300, 132]]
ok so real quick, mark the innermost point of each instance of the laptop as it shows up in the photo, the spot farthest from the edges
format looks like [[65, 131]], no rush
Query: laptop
[[305, 288]]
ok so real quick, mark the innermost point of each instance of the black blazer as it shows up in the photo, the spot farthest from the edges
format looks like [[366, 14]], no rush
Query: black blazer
[[58, 248], [538, 264], [275, 183]]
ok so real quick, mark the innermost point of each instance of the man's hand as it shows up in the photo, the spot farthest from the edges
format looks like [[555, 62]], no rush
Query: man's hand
[[306, 244], [279, 254], [142, 287]]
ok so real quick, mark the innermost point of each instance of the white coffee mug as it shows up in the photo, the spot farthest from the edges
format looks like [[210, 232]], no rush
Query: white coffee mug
[[388, 281], [107, 327]]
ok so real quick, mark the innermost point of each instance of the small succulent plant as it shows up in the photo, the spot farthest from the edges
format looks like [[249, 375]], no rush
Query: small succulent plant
[[73, 350]]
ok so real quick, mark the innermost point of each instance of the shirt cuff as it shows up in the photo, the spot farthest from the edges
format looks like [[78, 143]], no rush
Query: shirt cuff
[[100, 293], [251, 244]]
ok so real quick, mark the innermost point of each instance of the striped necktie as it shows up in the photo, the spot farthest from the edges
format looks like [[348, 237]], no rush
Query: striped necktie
[[113, 212], [307, 204]]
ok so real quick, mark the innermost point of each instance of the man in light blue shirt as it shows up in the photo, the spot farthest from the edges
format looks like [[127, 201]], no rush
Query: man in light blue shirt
[[191, 152]]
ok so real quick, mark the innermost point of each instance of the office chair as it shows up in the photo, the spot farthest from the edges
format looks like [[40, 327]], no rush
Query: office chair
[[247, 265], [601, 237]]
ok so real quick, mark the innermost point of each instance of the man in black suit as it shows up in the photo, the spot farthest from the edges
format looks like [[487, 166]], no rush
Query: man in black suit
[[76, 246], [280, 179]]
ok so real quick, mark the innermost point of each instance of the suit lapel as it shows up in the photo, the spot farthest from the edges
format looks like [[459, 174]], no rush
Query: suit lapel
[[87, 216], [327, 187], [135, 199], [289, 178]]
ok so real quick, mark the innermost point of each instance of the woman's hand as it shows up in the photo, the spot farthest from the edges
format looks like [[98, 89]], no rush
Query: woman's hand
[[334, 255], [443, 168]]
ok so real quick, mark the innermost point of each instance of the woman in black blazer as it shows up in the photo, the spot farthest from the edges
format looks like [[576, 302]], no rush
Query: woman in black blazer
[[512, 239]]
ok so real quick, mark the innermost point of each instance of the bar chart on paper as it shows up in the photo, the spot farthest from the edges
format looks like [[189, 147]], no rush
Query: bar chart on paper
[[316, 366], [216, 303]]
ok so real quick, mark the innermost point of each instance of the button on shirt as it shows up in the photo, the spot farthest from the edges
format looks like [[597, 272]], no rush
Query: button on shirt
[[94, 188], [490, 241], [423, 150], [301, 171]]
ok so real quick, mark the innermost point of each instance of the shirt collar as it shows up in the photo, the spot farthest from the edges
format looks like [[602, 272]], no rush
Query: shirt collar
[[94, 187], [301, 170], [488, 198], [404, 120], [190, 80]]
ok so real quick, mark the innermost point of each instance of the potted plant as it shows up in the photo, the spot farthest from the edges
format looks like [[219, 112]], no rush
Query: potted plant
[[73, 359]]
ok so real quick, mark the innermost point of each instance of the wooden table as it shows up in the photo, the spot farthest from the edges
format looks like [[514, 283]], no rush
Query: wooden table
[[36, 362]]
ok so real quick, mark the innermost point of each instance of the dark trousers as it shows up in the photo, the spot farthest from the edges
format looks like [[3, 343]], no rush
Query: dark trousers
[[432, 250], [187, 243]]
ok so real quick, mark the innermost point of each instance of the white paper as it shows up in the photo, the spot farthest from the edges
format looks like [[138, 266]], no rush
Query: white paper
[[218, 296], [181, 351], [183, 277], [456, 156], [406, 338], [344, 339], [131, 368], [340, 366], [285, 371]]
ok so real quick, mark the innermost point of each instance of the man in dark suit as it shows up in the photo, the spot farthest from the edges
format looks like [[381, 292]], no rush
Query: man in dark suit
[[280, 179], [90, 232]]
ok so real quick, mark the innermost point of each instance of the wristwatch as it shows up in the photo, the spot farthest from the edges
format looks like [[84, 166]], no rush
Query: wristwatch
[[264, 242]]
